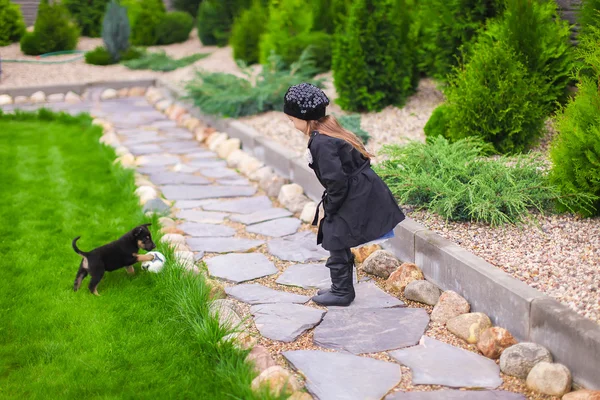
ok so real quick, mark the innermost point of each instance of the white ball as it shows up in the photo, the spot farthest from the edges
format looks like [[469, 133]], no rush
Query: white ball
[[155, 265]]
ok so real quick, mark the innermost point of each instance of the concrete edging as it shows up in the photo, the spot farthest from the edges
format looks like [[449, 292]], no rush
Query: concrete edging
[[527, 313], [77, 88]]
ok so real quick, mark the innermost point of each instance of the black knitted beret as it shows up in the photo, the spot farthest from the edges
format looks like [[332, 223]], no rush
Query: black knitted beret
[[305, 101]]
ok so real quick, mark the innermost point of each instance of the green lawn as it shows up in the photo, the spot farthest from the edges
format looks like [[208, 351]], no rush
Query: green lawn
[[147, 336]]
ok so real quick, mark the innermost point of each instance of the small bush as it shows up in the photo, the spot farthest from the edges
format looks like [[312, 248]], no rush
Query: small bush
[[575, 151], [88, 15], [12, 25], [246, 32], [99, 56], [373, 64], [352, 123], [541, 40], [445, 25], [437, 125], [53, 31], [188, 6], [175, 27], [134, 7], [318, 45], [231, 96], [589, 16], [116, 30], [457, 182], [215, 19], [144, 32], [159, 61], [493, 97]]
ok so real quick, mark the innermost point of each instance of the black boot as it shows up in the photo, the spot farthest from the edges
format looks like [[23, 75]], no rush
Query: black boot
[[351, 265], [342, 288]]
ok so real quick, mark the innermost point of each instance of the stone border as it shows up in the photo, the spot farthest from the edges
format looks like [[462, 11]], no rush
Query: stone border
[[530, 315], [77, 88]]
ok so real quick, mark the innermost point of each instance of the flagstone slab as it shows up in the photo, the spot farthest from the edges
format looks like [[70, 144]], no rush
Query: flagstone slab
[[149, 170], [202, 155], [144, 149], [197, 229], [253, 293], [219, 173], [277, 228], [189, 192], [240, 267], [163, 124], [285, 322], [233, 181], [344, 376], [308, 276], [189, 204], [207, 217], [361, 331], [223, 245], [241, 206], [368, 295], [261, 216], [300, 247], [155, 160], [151, 137], [436, 363], [177, 178], [447, 394], [207, 163]]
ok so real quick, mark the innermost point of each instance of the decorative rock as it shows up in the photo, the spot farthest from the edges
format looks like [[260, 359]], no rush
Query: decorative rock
[[197, 229], [261, 358], [457, 395], [225, 148], [238, 268], [234, 158], [126, 160], [228, 318], [278, 380], [268, 214], [308, 212], [186, 259], [272, 186], [262, 173], [109, 139], [450, 305], [381, 263], [422, 292], [406, 273], [146, 193], [21, 99], [550, 379], [108, 94], [207, 217], [5, 100], [248, 165], [157, 206], [192, 124], [137, 91], [254, 293], [162, 105], [363, 252], [344, 376], [583, 395], [217, 291], [176, 112], [300, 247], [285, 322], [468, 327], [242, 206], [123, 92], [172, 229], [223, 245], [371, 330], [166, 222], [184, 192], [71, 97], [300, 396], [493, 341], [278, 228], [368, 295], [436, 363], [215, 140], [292, 197], [173, 239], [38, 97], [518, 360]]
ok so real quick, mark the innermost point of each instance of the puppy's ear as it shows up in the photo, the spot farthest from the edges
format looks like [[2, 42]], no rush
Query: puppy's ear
[[137, 231]]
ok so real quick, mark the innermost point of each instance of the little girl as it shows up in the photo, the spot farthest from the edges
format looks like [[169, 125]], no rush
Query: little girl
[[359, 207]]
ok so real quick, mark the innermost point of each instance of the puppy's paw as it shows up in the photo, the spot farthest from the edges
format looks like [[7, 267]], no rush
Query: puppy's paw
[[130, 270]]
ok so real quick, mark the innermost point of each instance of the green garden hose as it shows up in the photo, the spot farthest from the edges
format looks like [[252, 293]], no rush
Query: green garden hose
[[55, 53]]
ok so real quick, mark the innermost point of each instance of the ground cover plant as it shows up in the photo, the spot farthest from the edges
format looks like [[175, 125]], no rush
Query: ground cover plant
[[146, 336], [12, 25], [160, 61], [458, 182]]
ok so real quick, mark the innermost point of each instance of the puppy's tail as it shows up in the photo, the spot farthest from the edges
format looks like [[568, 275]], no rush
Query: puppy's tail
[[82, 253]]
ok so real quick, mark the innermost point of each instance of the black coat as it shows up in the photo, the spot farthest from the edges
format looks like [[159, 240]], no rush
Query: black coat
[[358, 205]]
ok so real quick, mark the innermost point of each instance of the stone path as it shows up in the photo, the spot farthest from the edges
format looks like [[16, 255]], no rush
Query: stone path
[[263, 253]]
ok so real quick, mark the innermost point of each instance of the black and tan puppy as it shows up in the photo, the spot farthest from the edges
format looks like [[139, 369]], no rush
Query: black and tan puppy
[[123, 252]]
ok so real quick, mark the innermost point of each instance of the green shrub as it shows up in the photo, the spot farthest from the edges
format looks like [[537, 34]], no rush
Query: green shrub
[[159, 61], [373, 64], [457, 182], [575, 151], [246, 31], [493, 97], [215, 19], [88, 14], [541, 40], [53, 31], [175, 27], [188, 6], [351, 122], [232, 96], [287, 20], [437, 125], [444, 26], [589, 16], [116, 30], [144, 32], [134, 7], [99, 56], [12, 25], [318, 45]]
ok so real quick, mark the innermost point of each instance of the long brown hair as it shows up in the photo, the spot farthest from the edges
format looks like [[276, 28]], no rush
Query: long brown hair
[[329, 125]]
